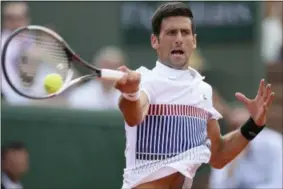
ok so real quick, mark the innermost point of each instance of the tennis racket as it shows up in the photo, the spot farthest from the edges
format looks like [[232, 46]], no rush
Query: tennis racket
[[30, 53]]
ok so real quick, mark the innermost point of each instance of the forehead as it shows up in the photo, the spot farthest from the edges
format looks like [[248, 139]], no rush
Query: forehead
[[176, 22], [16, 9], [13, 153]]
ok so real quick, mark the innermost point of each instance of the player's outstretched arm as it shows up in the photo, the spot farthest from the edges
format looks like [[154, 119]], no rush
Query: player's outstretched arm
[[133, 103], [226, 148]]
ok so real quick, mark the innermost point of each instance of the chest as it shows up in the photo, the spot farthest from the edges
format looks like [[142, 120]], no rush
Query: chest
[[180, 92]]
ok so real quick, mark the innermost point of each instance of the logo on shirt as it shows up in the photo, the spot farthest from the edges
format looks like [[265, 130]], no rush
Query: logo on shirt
[[204, 97]]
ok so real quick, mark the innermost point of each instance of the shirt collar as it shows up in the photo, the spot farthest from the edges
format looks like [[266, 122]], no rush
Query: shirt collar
[[174, 74], [8, 183]]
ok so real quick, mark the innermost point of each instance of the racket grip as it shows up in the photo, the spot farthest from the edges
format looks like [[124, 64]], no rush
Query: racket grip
[[111, 74]]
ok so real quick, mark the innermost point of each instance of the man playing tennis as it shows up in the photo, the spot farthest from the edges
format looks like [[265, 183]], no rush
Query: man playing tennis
[[171, 124]]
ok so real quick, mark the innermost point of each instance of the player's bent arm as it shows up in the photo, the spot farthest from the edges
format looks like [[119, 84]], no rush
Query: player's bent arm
[[134, 111], [224, 148]]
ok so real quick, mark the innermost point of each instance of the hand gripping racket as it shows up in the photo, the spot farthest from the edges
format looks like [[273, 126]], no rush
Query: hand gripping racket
[[32, 52]]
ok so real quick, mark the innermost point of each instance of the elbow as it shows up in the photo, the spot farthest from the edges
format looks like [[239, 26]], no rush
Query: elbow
[[131, 123], [218, 163]]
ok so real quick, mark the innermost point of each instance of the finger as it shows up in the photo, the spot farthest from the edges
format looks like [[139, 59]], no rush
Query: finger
[[131, 77], [267, 92], [241, 97], [137, 77], [119, 84], [264, 111], [270, 99], [261, 88], [262, 115], [124, 79], [123, 69], [134, 77]]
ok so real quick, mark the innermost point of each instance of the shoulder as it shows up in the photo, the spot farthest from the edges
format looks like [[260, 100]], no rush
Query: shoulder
[[147, 76], [206, 87], [202, 85], [145, 72], [206, 91], [142, 69], [207, 95], [148, 86]]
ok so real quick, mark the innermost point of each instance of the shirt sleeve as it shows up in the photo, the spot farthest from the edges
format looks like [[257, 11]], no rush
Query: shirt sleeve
[[147, 83], [214, 114]]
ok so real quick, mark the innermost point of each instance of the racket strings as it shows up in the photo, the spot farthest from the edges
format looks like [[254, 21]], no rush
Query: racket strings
[[41, 53], [54, 49]]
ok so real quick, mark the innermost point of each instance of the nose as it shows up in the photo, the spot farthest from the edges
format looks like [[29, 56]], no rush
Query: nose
[[179, 38]]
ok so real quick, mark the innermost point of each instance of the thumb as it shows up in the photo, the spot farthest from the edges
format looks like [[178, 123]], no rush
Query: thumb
[[241, 97]]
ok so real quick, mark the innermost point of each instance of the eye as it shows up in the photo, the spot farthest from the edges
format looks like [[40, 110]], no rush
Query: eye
[[186, 32], [172, 32]]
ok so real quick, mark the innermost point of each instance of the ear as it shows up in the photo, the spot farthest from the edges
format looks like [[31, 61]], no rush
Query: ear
[[195, 41], [154, 41]]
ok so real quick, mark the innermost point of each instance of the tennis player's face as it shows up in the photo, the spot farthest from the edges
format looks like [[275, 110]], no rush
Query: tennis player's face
[[176, 42]]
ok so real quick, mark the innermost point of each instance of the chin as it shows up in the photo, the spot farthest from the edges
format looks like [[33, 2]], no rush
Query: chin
[[179, 64]]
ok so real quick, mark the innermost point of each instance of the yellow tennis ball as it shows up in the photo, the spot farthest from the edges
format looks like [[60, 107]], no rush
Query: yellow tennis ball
[[52, 83]]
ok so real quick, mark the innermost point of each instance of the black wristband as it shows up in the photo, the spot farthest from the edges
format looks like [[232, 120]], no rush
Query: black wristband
[[250, 130]]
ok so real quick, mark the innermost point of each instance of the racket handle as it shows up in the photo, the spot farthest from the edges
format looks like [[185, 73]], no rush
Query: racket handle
[[111, 74]]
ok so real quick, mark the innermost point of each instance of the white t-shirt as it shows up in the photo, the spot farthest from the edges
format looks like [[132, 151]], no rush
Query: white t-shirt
[[173, 136]]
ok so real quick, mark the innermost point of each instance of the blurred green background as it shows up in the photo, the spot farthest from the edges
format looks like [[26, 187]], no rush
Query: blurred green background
[[80, 148]]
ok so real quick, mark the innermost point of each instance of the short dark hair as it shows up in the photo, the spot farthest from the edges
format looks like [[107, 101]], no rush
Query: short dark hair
[[13, 145], [167, 10]]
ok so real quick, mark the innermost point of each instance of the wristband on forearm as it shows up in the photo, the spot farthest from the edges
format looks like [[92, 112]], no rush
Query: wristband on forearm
[[250, 130]]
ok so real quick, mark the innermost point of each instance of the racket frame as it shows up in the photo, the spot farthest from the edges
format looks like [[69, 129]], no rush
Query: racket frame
[[72, 58]]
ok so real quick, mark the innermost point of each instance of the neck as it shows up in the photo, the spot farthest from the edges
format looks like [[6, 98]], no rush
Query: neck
[[177, 74], [12, 177], [168, 64]]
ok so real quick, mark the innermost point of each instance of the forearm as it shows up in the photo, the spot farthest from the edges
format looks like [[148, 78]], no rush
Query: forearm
[[226, 148], [134, 111], [231, 145]]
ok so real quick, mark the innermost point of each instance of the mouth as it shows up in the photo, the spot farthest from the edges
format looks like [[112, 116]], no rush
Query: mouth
[[177, 52]]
